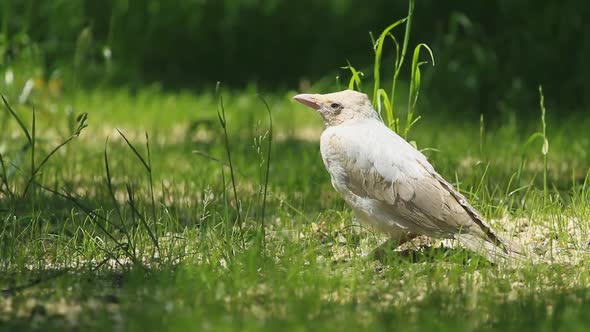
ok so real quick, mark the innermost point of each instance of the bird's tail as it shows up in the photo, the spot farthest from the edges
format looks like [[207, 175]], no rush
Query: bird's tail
[[496, 252]]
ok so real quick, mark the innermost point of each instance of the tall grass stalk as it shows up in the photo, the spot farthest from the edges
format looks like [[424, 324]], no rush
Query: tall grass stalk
[[381, 99], [378, 48], [33, 140], [415, 80], [482, 137], [545, 147], [4, 178], [223, 123], [542, 135], [266, 174]]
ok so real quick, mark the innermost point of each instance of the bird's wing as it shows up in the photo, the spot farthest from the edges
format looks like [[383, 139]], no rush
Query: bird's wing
[[473, 214], [380, 165]]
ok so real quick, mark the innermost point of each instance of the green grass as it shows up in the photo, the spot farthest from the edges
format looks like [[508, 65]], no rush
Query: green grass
[[88, 260], [142, 209]]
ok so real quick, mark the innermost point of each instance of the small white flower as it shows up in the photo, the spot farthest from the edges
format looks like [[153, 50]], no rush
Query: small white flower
[[107, 53], [9, 77], [24, 96]]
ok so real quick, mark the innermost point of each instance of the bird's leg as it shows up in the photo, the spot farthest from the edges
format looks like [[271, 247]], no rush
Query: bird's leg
[[388, 246]]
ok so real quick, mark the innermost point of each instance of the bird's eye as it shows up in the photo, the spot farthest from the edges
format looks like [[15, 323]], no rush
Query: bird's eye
[[335, 106]]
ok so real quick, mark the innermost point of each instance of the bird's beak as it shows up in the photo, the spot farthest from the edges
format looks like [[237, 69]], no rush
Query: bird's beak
[[308, 100]]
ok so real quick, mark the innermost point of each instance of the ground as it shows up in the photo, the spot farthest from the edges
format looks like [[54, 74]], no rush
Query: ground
[[156, 241]]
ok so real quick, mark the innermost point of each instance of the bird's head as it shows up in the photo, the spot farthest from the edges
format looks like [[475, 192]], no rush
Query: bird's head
[[339, 107]]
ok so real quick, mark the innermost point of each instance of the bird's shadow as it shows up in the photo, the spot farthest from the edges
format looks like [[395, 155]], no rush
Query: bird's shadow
[[429, 254]]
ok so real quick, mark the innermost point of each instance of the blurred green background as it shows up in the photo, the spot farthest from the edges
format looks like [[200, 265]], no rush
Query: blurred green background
[[490, 55]]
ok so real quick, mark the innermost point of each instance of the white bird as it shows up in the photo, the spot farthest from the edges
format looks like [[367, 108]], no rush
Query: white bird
[[390, 185]]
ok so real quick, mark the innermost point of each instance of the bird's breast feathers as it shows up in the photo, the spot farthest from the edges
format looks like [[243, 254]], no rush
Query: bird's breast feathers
[[369, 147]]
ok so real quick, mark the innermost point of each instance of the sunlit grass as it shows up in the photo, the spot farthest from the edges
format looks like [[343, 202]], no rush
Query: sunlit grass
[[66, 258]]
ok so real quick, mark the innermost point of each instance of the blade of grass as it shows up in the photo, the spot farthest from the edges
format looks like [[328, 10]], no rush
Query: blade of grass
[[33, 134], [267, 174], [399, 59], [378, 48], [222, 121], [4, 177], [355, 79], [415, 85], [18, 120], [137, 154], [153, 234], [545, 147]]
